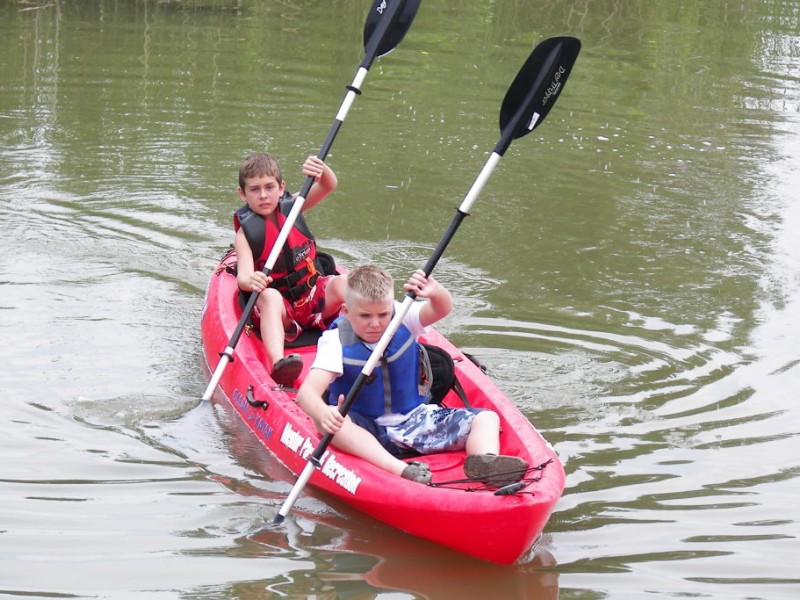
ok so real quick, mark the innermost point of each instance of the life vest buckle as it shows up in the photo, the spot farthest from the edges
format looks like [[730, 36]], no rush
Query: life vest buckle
[[306, 285]]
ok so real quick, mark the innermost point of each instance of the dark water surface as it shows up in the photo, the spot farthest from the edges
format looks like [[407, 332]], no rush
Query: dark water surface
[[630, 275]]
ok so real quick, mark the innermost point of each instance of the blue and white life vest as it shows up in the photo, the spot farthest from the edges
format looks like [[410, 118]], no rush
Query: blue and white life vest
[[393, 386]]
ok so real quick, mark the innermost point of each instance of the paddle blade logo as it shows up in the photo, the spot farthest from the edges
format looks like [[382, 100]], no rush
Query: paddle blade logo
[[387, 24], [537, 85], [556, 86]]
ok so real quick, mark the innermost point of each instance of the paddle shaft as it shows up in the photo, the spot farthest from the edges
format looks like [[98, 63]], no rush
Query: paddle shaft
[[388, 17], [315, 460], [397, 319]]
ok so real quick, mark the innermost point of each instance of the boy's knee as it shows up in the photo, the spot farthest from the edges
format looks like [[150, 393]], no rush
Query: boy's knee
[[338, 286], [488, 418], [270, 297]]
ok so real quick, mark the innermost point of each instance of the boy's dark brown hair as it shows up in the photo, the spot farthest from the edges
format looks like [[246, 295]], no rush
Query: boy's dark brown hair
[[258, 164]]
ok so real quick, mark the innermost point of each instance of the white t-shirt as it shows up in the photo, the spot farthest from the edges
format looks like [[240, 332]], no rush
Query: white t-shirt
[[329, 347]]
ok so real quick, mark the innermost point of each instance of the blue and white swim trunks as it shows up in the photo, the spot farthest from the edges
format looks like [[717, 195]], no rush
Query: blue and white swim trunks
[[430, 428]]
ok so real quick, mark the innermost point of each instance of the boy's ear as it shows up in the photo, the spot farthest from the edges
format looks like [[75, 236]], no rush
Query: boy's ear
[[240, 191]]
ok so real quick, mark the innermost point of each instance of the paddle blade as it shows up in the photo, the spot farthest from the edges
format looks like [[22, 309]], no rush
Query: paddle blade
[[386, 25], [536, 88]]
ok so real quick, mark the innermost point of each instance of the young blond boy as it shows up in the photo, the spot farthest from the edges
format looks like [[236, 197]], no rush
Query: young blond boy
[[374, 430]]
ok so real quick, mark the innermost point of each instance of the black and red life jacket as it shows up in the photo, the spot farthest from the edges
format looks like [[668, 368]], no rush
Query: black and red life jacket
[[295, 270]]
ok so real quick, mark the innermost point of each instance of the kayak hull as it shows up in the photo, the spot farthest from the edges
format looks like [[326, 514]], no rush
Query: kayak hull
[[465, 516]]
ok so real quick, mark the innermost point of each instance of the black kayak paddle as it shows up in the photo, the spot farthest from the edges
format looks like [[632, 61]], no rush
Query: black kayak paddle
[[386, 25], [527, 102]]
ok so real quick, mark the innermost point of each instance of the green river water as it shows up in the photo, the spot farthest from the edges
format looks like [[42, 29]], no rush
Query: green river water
[[630, 275]]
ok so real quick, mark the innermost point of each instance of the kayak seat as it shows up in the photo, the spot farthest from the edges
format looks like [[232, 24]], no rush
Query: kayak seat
[[307, 337], [438, 374]]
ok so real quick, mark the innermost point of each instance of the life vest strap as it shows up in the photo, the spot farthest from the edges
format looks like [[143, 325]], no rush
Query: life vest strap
[[295, 294]]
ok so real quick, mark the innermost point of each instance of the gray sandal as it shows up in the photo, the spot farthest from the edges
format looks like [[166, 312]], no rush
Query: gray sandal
[[495, 469], [417, 471], [287, 369]]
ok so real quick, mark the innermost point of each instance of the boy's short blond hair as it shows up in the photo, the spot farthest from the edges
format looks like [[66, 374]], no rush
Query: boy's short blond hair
[[258, 164], [370, 283]]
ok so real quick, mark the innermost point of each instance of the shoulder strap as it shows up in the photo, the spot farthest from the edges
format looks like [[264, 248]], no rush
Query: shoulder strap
[[438, 373], [285, 206], [253, 227], [460, 391]]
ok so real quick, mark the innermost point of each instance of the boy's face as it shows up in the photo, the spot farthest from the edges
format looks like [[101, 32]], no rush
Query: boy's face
[[369, 319], [262, 194]]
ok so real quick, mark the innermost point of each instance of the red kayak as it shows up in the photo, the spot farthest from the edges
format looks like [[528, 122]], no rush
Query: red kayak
[[496, 525]]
